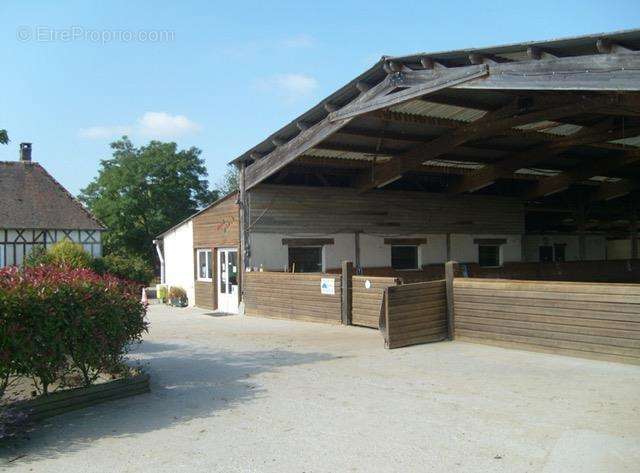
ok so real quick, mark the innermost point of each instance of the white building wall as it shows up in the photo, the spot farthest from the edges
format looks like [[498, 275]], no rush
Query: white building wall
[[268, 251], [178, 259], [464, 250], [595, 246], [619, 249]]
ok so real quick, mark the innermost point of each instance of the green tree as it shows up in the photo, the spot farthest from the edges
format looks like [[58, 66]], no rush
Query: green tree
[[4, 137], [229, 182], [141, 192]]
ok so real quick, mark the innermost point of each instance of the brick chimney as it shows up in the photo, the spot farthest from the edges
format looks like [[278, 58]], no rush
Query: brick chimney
[[25, 152]]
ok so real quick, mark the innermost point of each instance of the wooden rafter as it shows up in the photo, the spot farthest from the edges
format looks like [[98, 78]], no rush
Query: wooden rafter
[[599, 72], [505, 168], [612, 190], [409, 85], [516, 113], [596, 167]]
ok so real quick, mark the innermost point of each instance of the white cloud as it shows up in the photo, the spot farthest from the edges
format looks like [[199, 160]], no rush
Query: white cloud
[[101, 132], [149, 125], [164, 125], [290, 86], [299, 41]]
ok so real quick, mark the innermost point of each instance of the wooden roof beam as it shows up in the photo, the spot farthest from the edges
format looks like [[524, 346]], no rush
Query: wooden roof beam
[[404, 85], [604, 131], [600, 72], [606, 46], [597, 167], [612, 190], [516, 113], [534, 52]]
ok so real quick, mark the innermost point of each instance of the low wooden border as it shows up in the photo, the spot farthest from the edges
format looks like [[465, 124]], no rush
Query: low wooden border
[[78, 398]]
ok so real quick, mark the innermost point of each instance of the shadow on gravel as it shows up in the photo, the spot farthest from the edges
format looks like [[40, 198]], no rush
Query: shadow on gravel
[[186, 384]]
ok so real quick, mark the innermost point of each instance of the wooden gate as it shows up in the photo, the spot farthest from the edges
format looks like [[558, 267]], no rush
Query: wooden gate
[[415, 313], [367, 297]]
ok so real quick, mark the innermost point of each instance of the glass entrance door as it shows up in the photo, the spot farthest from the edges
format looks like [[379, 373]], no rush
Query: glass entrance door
[[228, 280]]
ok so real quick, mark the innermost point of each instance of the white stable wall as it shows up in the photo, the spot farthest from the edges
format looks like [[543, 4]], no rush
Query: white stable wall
[[464, 250], [178, 259], [595, 246], [267, 249], [619, 249]]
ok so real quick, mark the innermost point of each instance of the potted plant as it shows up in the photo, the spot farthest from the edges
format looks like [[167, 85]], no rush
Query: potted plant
[[162, 293], [177, 297]]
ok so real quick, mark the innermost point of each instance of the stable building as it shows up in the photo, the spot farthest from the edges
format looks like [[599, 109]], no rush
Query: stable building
[[37, 211], [200, 255], [506, 159]]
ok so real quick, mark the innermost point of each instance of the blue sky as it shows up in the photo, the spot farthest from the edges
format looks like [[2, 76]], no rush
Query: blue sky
[[222, 76]]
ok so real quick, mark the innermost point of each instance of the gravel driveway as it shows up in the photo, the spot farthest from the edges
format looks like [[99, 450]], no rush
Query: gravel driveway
[[244, 394]]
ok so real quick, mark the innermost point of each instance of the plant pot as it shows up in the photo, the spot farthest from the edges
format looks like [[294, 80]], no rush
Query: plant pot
[[178, 302]]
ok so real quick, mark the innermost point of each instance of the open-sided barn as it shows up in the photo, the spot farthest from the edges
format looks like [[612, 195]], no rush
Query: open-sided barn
[[519, 161]]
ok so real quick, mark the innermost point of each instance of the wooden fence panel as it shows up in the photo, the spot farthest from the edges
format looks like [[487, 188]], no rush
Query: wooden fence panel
[[415, 313], [292, 296], [595, 320], [367, 301]]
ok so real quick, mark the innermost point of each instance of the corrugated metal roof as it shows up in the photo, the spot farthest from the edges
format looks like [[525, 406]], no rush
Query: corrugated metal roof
[[432, 109], [562, 47]]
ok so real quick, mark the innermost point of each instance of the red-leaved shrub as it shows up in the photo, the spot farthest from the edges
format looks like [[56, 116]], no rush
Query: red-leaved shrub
[[53, 318]]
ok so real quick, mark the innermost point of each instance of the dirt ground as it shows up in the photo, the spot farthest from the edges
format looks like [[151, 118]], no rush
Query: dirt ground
[[242, 394]]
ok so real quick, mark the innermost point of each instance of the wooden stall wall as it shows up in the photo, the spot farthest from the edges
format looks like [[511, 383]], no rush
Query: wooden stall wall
[[415, 313], [366, 305], [616, 271], [582, 319], [215, 227], [298, 209], [292, 296]]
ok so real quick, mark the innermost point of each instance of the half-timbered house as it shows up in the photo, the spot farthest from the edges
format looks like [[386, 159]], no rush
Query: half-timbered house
[[37, 211]]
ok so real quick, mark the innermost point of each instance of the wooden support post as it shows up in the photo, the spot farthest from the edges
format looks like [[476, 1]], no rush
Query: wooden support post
[[633, 227], [449, 274], [347, 297], [357, 244]]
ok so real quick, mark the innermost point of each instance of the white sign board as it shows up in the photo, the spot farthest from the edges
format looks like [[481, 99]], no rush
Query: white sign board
[[328, 286]]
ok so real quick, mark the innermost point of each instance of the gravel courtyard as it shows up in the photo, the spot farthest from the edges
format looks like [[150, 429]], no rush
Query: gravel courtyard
[[242, 394]]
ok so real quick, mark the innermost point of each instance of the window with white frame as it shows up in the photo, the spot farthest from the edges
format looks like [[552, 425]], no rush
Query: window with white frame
[[1, 256], [205, 265]]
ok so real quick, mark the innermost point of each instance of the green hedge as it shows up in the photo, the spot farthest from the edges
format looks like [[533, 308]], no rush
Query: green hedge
[[72, 255], [55, 319]]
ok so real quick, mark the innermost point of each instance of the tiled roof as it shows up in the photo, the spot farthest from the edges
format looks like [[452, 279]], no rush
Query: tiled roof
[[31, 198]]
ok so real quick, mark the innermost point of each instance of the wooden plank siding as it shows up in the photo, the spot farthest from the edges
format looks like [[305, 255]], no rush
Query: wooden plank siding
[[367, 303], [594, 320], [327, 210], [217, 226], [415, 313], [292, 296]]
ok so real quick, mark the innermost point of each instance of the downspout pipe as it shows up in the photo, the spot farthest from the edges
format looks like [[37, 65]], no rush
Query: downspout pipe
[[158, 245]]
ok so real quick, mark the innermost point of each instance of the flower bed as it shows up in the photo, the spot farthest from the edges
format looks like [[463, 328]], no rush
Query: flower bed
[[56, 321]]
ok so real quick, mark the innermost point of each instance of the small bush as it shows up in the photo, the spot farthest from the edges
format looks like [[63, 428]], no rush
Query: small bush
[[177, 293], [133, 268], [69, 254], [54, 318], [162, 293], [37, 257]]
